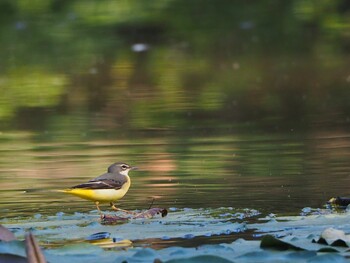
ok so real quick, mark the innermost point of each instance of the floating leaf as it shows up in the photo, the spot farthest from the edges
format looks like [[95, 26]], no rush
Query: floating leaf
[[14, 247], [63, 229], [70, 237], [270, 242], [98, 236], [112, 243], [104, 240]]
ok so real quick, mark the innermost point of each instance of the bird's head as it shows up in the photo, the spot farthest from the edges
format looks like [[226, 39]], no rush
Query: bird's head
[[121, 168]]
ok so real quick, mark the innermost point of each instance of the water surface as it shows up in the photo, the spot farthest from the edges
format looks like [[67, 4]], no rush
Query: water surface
[[270, 172], [220, 104]]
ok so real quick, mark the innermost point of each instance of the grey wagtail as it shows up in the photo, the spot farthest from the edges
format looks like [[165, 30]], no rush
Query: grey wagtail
[[106, 188]]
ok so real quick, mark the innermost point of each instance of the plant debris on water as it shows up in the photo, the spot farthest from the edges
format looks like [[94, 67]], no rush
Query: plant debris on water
[[84, 237]]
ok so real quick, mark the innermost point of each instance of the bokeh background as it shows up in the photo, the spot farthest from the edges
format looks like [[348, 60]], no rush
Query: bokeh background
[[220, 103]]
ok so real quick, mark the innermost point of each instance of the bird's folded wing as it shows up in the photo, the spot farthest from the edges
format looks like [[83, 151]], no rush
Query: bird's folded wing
[[102, 184]]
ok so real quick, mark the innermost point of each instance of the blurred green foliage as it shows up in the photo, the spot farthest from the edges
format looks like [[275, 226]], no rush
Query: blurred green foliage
[[174, 63]]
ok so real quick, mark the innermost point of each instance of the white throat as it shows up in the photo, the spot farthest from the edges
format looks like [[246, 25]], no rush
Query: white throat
[[125, 172]]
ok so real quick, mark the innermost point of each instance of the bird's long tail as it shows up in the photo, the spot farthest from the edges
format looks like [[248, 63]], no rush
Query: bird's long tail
[[29, 191], [87, 194]]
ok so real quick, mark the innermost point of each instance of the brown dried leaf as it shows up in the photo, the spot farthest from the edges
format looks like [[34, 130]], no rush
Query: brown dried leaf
[[114, 219], [6, 235], [152, 212]]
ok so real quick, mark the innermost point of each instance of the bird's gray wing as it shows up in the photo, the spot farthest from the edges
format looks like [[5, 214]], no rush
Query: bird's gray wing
[[107, 176], [101, 184]]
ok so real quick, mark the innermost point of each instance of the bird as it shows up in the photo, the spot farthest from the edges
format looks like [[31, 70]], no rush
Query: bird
[[106, 188]]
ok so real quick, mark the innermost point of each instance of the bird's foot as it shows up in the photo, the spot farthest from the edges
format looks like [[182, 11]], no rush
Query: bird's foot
[[124, 211]]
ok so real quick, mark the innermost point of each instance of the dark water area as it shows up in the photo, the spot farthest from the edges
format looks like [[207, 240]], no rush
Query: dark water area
[[219, 104]]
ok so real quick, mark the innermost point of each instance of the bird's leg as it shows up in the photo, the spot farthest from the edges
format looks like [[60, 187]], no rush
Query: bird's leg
[[98, 208], [122, 210]]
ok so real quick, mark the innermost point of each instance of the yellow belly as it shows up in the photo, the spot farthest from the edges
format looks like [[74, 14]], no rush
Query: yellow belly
[[100, 195]]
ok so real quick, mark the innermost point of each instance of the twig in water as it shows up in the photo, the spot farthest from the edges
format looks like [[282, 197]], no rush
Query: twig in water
[[150, 206]]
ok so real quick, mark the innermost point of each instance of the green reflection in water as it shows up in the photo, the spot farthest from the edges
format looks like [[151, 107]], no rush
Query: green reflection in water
[[174, 64]]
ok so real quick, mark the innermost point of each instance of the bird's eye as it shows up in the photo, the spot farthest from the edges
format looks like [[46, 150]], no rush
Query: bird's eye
[[124, 167]]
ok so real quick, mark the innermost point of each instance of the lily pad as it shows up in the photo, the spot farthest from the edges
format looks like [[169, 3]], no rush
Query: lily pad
[[82, 238], [302, 226], [76, 228]]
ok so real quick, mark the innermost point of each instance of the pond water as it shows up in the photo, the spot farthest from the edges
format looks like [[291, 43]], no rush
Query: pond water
[[273, 172], [225, 104]]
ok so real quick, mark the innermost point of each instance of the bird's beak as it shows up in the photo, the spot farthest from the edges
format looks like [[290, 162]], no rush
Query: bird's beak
[[134, 168]]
